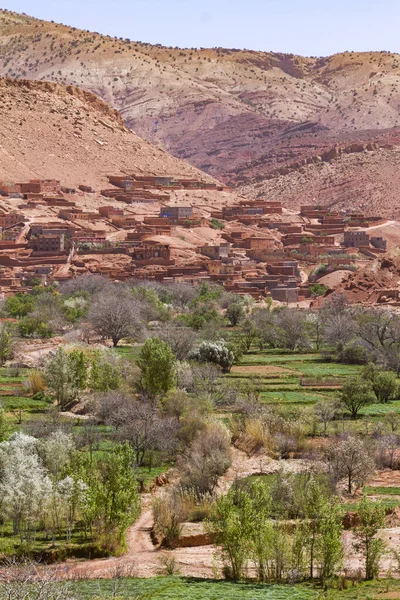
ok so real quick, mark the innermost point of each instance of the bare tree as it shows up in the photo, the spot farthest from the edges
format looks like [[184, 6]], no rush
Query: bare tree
[[351, 459], [93, 284], [138, 423], [29, 581], [207, 459], [114, 315], [181, 340], [325, 411], [292, 326]]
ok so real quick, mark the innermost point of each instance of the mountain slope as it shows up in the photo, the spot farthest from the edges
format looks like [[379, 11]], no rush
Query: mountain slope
[[238, 115], [51, 131]]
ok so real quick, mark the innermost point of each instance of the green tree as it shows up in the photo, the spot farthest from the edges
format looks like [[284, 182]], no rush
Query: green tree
[[372, 518], [385, 386], [112, 498], [6, 342], [356, 394], [232, 524], [19, 305], [234, 313], [157, 363], [79, 365], [59, 378]]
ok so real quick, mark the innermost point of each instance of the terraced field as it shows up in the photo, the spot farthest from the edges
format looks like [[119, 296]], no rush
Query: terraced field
[[292, 379]]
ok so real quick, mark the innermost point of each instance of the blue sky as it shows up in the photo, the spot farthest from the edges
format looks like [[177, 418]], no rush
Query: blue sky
[[308, 27]]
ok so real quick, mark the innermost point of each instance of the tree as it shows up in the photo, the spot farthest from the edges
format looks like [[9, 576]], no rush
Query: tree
[[231, 522], [56, 451], [319, 533], [292, 325], [115, 494], [25, 487], [114, 315], [157, 363], [219, 353], [356, 394], [385, 386], [206, 460], [28, 581], [315, 324], [234, 313], [7, 341], [181, 340], [372, 518], [351, 459], [326, 411], [59, 378]]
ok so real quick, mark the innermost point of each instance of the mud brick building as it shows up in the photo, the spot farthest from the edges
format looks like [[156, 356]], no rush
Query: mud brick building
[[215, 252], [175, 213], [9, 219], [355, 239], [49, 243], [40, 186], [150, 251], [111, 211]]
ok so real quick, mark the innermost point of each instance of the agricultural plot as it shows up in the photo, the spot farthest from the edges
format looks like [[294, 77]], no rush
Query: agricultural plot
[[292, 379], [175, 588]]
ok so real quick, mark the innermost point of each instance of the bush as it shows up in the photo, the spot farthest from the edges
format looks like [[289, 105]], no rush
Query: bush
[[352, 354], [35, 383], [220, 353], [318, 289], [216, 224]]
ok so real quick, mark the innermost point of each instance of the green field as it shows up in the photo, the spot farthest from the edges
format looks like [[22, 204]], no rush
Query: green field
[[176, 588]]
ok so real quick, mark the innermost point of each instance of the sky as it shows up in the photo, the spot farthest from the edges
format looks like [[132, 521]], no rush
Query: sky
[[306, 27]]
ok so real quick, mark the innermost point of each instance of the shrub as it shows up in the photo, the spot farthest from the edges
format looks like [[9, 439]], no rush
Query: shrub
[[219, 353], [35, 383]]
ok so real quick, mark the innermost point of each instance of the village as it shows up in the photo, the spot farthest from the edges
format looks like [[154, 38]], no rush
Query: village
[[139, 227]]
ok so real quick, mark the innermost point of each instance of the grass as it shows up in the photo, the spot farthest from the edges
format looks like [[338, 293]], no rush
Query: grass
[[10, 403], [292, 397], [381, 490], [176, 588], [378, 409], [181, 588]]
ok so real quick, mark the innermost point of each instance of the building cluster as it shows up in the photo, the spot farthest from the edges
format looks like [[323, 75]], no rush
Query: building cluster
[[133, 229]]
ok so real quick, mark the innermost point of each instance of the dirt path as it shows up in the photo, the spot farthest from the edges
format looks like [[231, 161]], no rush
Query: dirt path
[[141, 560]]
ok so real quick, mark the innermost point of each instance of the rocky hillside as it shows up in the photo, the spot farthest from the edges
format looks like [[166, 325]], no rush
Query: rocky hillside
[[52, 131], [360, 177], [239, 115]]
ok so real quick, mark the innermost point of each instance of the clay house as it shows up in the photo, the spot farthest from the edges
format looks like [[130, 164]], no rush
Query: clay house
[[286, 267], [40, 186], [9, 189], [215, 252], [152, 251], [220, 270], [257, 243], [55, 228], [175, 213], [124, 221], [48, 243], [9, 219], [355, 239], [111, 211], [378, 242], [284, 294]]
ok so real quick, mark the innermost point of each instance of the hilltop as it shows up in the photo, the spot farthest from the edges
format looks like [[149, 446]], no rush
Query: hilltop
[[241, 116]]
